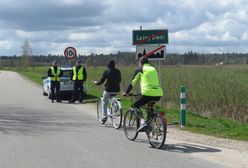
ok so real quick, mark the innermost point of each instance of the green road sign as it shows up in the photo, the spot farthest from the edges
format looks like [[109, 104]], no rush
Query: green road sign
[[150, 37]]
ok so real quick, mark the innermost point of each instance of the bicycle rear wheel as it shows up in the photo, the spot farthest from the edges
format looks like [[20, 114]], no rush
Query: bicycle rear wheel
[[156, 132], [130, 125], [116, 114], [99, 111]]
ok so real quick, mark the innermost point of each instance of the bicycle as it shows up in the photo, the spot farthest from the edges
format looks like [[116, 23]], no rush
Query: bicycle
[[156, 130], [114, 112]]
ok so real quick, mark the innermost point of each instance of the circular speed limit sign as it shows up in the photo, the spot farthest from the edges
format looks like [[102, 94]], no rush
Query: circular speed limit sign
[[70, 53]]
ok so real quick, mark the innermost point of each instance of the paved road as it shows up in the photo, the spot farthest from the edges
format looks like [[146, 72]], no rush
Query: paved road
[[35, 133]]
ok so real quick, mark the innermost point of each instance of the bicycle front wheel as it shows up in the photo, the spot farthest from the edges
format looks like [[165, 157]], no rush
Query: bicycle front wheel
[[99, 111], [116, 114], [156, 132], [130, 125]]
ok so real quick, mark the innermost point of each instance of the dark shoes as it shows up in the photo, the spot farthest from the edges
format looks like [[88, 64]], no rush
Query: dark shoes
[[58, 101], [103, 120], [143, 127], [71, 101]]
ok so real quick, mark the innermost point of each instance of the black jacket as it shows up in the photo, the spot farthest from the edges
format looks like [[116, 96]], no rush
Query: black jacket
[[113, 77]]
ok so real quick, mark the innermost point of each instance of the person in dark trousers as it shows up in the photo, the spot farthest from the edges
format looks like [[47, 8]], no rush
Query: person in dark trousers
[[78, 76], [55, 74], [112, 76], [149, 84]]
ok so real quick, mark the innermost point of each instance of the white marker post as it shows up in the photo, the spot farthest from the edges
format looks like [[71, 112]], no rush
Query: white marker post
[[183, 106]]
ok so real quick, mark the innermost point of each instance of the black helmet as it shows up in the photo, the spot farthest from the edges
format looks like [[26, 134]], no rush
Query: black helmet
[[143, 61]]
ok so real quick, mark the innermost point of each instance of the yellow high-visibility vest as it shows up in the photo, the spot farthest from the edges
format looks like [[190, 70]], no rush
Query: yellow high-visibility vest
[[149, 81], [56, 76], [78, 75]]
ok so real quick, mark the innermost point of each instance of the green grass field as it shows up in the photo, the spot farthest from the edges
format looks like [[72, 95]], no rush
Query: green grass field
[[217, 98]]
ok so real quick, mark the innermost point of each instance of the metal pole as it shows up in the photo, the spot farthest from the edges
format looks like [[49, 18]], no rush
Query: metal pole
[[160, 81], [160, 76], [183, 106]]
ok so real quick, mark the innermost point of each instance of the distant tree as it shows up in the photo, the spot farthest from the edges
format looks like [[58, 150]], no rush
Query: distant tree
[[89, 61], [26, 54]]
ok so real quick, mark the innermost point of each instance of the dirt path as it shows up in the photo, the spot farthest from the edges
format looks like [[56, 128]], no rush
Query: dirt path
[[232, 153]]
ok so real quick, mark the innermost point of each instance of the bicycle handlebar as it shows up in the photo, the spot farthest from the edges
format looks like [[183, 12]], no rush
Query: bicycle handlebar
[[134, 94]]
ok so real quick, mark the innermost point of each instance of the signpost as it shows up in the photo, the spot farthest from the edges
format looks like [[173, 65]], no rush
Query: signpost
[[150, 44], [70, 53], [151, 52]]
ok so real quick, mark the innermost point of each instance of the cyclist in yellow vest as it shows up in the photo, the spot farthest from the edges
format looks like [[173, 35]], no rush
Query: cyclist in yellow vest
[[78, 76], [55, 73], [149, 85]]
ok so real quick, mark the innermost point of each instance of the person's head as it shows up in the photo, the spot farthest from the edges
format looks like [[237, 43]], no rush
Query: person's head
[[143, 61], [78, 63], [111, 64], [55, 63]]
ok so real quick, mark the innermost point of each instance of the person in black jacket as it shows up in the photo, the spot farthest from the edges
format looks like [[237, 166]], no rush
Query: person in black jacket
[[55, 74], [78, 76], [112, 85]]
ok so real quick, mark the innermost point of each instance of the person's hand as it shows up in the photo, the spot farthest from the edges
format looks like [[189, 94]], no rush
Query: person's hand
[[125, 94]]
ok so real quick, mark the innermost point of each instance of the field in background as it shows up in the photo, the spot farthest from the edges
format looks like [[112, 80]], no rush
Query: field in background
[[212, 91], [216, 95]]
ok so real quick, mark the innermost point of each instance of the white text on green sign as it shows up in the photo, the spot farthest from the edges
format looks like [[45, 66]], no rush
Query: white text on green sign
[[150, 37]]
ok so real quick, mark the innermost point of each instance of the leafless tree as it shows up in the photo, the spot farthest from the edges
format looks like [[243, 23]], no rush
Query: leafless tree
[[26, 53]]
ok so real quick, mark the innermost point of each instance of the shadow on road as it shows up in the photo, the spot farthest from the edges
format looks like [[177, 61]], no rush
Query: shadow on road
[[182, 147], [25, 121], [188, 148]]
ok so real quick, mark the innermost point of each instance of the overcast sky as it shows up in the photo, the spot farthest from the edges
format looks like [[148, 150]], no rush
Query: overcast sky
[[105, 26]]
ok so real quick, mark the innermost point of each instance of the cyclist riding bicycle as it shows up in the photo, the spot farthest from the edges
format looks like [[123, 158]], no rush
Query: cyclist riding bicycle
[[149, 84], [112, 86]]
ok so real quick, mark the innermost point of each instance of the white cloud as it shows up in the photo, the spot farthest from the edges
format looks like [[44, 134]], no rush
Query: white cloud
[[80, 36], [5, 45], [245, 36]]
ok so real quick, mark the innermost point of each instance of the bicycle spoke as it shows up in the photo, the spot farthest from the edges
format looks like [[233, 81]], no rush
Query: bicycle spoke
[[130, 125], [157, 132], [116, 115]]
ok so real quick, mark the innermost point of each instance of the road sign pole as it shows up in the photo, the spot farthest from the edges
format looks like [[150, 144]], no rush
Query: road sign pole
[[160, 80], [160, 76]]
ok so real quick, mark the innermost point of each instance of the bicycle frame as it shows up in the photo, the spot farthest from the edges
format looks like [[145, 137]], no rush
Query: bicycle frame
[[112, 99], [155, 125], [114, 110]]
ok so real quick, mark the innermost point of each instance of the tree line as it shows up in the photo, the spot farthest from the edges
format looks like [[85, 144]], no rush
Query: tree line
[[125, 59]]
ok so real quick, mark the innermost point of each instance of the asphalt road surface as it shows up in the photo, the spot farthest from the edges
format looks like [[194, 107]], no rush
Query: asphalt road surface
[[35, 133]]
